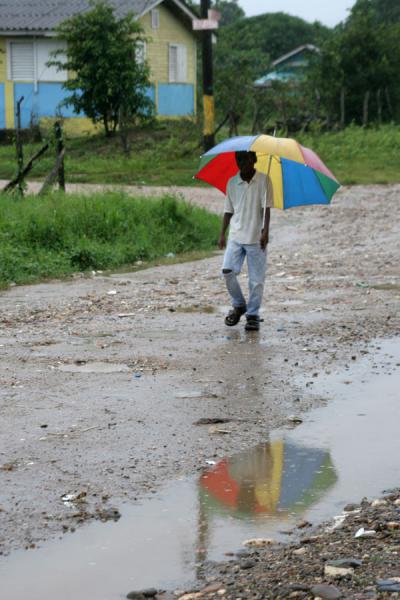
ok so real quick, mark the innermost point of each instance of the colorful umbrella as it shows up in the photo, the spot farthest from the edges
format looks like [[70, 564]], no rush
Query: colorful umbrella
[[298, 175]]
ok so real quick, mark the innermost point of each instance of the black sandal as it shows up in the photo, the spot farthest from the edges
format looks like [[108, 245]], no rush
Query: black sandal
[[253, 323], [233, 316]]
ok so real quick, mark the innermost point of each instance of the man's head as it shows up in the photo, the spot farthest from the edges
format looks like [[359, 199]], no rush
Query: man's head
[[246, 161]]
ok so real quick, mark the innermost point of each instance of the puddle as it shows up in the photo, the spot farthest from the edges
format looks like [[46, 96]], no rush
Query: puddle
[[342, 452]]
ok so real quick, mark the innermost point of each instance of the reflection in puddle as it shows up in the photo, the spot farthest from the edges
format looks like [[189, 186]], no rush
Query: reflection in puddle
[[334, 458], [275, 478], [163, 542]]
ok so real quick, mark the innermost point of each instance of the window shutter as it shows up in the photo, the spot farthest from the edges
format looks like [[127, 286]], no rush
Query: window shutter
[[22, 61], [155, 18], [182, 63], [173, 63], [44, 50], [140, 52]]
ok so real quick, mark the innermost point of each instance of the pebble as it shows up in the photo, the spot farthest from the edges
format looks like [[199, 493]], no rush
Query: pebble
[[326, 592], [258, 542], [300, 551], [337, 572], [345, 562], [247, 564], [378, 502]]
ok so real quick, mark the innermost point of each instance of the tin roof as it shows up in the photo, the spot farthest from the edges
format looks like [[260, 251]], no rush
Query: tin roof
[[46, 15]]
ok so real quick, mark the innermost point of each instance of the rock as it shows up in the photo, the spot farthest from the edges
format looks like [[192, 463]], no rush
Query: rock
[[393, 525], [397, 502], [140, 594], [350, 507], [258, 542], [337, 572], [378, 502], [345, 562], [191, 596], [326, 592], [212, 588], [247, 564], [303, 524], [294, 419], [300, 551]]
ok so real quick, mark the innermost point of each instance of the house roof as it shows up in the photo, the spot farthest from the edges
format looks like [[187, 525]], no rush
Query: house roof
[[46, 15], [294, 52]]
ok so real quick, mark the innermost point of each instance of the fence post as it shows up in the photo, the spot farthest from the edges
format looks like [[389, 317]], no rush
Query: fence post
[[19, 148], [60, 153]]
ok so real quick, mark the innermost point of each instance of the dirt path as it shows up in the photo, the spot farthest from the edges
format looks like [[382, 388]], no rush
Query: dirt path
[[103, 378]]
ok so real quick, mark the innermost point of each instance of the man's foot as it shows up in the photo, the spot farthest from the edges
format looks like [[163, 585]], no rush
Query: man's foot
[[253, 323], [233, 316]]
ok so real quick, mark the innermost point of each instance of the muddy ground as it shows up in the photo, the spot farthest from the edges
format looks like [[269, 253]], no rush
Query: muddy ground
[[103, 378]]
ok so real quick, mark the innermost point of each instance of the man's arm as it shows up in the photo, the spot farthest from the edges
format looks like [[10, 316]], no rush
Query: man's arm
[[225, 224], [265, 231]]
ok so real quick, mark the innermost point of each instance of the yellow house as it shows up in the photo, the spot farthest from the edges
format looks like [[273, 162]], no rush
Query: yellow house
[[27, 37]]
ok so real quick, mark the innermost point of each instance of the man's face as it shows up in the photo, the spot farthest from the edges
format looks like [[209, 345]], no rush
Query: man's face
[[245, 161]]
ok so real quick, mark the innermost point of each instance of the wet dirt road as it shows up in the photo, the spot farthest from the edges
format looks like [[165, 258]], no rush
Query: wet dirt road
[[103, 379]]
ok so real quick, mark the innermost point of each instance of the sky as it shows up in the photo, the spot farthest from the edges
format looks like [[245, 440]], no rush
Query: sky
[[328, 12]]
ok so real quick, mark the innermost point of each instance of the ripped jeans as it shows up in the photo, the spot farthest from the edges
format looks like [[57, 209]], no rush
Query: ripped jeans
[[235, 254]]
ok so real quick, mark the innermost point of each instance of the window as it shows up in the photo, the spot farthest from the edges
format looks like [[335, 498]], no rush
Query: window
[[28, 61], [22, 61], [140, 52], [155, 19], [177, 63], [44, 48]]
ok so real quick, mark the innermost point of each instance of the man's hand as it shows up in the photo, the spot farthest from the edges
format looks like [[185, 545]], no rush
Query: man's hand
[[222, 242], [264, 239]]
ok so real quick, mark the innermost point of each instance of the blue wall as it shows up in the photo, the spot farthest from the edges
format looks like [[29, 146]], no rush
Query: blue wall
[[43, 103], [175, 99], [2, 106]]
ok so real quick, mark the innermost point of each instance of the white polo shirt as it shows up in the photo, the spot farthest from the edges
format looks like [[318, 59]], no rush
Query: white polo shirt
[[246, 202]]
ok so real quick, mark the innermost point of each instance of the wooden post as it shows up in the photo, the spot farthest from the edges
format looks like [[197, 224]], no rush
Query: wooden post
[[365, 108], [60, 152], [342, 108], [208, 91], [19, 148]]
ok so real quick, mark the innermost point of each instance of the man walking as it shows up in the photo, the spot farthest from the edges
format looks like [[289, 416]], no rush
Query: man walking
[[247, 214]]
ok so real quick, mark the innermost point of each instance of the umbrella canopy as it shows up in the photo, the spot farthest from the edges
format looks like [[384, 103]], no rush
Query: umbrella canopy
[[298, 175]]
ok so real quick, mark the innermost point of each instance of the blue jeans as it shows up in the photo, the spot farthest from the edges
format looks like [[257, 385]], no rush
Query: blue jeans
[[235, 254]]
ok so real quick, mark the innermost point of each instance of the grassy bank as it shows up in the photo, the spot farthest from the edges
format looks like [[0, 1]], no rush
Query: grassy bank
[[168, 154], [57, 235]]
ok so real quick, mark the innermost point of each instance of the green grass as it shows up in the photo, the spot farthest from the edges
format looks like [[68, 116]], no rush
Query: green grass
[[167, 153], [57, 235], [360, 156]]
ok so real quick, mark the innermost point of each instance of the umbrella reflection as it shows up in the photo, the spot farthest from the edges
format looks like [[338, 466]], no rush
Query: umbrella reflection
[[273, 478]]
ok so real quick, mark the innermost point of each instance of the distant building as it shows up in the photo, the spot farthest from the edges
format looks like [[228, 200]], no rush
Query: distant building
[[27, 37], [289, 68]]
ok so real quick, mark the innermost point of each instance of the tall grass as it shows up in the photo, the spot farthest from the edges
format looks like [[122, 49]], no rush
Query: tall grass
[[359, 156], [169, 155], [58, 234]]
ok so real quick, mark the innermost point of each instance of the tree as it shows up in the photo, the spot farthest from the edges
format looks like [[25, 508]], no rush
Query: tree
[[358, 67], [230, 11], [105, 55]]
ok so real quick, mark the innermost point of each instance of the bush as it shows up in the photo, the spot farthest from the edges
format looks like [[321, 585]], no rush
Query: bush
[[53, 236]]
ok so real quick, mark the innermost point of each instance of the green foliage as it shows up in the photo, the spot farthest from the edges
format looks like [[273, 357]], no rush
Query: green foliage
[[230, 11], [362, 56], [244, 52], [57, 235], [383, 11], [103, 56]]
